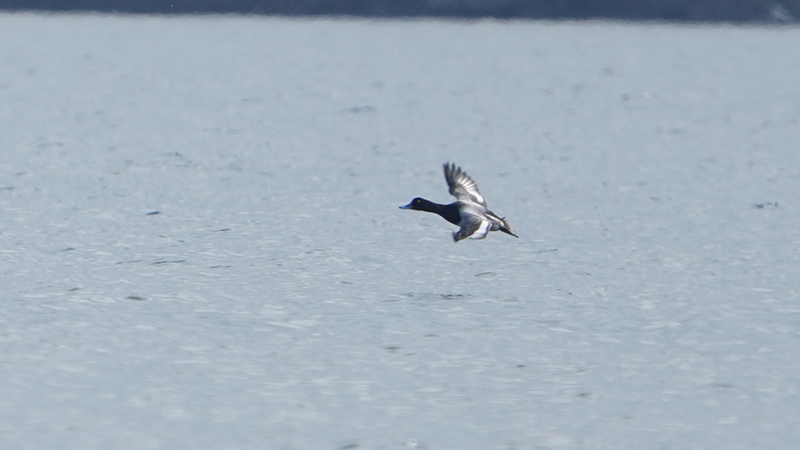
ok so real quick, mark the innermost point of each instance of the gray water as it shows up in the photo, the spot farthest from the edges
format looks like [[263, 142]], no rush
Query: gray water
[[200, 245]]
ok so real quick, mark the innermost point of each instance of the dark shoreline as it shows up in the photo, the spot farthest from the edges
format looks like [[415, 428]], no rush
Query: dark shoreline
[[787, 11]]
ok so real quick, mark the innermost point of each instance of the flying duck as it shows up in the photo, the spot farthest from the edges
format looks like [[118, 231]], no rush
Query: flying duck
[[469, 211]]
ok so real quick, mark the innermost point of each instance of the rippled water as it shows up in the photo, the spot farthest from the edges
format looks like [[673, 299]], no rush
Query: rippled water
[[200, 245]]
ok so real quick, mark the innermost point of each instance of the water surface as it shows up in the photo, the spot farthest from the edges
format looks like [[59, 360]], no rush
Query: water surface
[[200, 245]]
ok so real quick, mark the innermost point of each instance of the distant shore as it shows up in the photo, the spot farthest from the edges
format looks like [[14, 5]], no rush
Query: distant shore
[[787, 11]]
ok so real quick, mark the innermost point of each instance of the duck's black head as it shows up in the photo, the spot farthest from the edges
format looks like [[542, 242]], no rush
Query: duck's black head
[[449, 212], [418, 204]]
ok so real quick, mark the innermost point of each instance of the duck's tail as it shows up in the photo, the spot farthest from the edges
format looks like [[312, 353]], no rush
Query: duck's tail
[[506, 228]]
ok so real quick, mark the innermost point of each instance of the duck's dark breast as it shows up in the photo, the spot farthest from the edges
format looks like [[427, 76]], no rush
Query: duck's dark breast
[[450, 213]]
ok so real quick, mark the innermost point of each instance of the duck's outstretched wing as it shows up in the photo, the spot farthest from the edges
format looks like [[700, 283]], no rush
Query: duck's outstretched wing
[[461, 185], [472, 227]]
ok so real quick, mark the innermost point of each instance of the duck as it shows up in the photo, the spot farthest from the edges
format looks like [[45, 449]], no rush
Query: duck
[[469, 211]]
